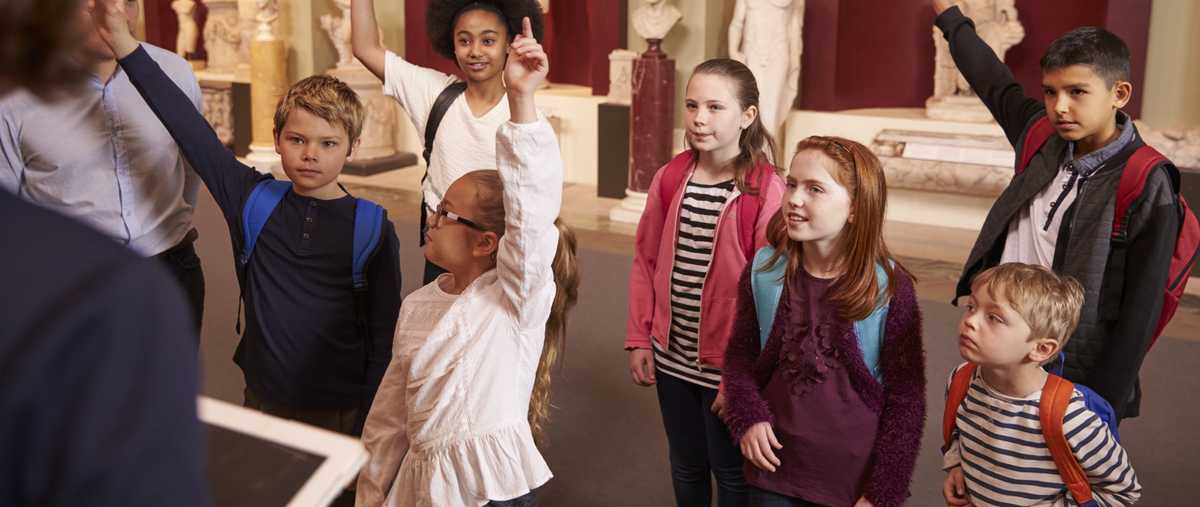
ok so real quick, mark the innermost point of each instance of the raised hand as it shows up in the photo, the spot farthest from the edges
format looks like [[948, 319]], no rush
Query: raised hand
[[113, 26], [940, 6], [527, 62]]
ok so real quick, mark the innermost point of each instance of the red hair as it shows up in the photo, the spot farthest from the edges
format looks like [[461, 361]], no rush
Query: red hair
[[855, 294]]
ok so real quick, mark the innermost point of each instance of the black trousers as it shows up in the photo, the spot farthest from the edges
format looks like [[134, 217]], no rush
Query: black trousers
[[184, 265], [700, 447]]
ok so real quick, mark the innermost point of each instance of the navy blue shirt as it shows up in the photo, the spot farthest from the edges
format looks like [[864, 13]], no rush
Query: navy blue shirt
[[98, 371], [300, 348]]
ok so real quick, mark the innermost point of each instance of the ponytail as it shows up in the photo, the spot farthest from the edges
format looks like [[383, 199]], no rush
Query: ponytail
[[566, 282], [490, 205]]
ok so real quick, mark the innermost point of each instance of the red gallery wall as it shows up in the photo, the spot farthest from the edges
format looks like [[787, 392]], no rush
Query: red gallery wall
[[879, 53]]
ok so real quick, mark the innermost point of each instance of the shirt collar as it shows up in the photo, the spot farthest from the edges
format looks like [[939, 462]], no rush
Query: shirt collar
[[1087, 164]]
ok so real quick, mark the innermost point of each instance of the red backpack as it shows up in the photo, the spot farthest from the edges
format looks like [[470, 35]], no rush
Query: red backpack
[[749, 205], [1133, 181]]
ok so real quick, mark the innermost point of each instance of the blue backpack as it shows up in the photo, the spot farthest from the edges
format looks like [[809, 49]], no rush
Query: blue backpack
[[767, 287], [368, 225]]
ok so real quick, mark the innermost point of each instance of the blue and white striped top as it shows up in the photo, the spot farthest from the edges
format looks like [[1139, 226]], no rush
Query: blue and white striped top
[[1005, 461]]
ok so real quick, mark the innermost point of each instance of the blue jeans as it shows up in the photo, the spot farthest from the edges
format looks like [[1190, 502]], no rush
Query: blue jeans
[[764, 498], [699, 445]]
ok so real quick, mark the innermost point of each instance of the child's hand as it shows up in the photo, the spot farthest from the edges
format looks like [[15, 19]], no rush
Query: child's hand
[[940, 6], [757, 446], [954, 489], [113, 26], [527, 62], [718, 405], [641, 366]]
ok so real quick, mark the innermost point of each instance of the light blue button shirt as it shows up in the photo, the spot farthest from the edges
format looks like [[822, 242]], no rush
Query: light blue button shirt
[[103, 157]]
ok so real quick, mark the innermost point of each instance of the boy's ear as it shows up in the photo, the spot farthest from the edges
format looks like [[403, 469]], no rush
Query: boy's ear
[[354, 147], [277, 151], [1122, 93], [1044, 349]]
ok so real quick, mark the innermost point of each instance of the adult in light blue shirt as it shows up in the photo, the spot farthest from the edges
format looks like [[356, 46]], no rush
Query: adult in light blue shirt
[[101, 155]]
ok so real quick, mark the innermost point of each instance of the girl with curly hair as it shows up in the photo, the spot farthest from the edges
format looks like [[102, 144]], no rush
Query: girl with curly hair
[[475, 34]]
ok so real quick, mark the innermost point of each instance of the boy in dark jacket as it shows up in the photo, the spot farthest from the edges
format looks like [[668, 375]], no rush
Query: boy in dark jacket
[[1058, 212]]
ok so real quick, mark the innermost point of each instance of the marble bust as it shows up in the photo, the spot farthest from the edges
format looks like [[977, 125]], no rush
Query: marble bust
[[655, 19]]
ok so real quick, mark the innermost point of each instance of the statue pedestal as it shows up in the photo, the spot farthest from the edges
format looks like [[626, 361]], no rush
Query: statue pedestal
[[953, 193], [376, 151], [961, 108], [630, 209], [268, 82], [652, 126]]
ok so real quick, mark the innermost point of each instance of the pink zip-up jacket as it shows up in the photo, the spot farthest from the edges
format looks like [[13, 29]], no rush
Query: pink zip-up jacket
[[653, 261]]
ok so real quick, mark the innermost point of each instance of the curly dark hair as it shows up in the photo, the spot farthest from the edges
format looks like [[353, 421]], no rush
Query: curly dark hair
[[442, 14]]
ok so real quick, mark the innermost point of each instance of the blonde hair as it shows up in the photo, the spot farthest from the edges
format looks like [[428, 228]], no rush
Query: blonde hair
[[1048, 302], [327, 98], [489, 203]]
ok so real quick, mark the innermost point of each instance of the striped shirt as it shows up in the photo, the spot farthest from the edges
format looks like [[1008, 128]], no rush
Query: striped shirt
[[1005, 461], [698, 214]]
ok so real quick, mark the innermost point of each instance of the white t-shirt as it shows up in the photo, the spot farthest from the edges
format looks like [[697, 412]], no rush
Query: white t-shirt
[[1029, 240], [464, 143]]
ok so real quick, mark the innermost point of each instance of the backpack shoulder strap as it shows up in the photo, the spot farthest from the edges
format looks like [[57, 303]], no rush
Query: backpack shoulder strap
[[262, 202], [440, 105], [959, 384], [1056, 397], [368, 226], [1035, 137], [673, 175], [767, 288], [1133, 182], [749, 207]]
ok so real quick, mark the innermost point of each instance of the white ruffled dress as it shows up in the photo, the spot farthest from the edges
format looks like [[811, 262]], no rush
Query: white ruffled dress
[[449, 423]]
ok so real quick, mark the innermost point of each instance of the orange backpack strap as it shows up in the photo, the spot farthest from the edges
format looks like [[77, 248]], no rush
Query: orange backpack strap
[[959, 384], [1056, 397]]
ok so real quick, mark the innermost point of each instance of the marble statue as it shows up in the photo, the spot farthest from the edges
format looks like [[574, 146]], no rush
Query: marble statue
[[378, 134], [1181, 145], [221, 35], [766, 36], [268, 12], [996, 23], [339, 32], [653, 20], [185, 42]]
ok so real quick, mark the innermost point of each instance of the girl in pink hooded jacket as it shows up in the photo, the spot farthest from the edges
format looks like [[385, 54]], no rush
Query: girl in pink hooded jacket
[[706, 213]]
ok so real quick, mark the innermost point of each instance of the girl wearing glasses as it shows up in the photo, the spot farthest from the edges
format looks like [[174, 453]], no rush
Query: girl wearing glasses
[[468, 387]]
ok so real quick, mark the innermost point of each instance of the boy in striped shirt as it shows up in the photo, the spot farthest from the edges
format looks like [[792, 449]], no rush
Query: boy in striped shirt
[[1016, 319]]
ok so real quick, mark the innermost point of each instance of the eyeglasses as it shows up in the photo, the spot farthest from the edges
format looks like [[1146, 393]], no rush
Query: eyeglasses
[[442, 212]]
